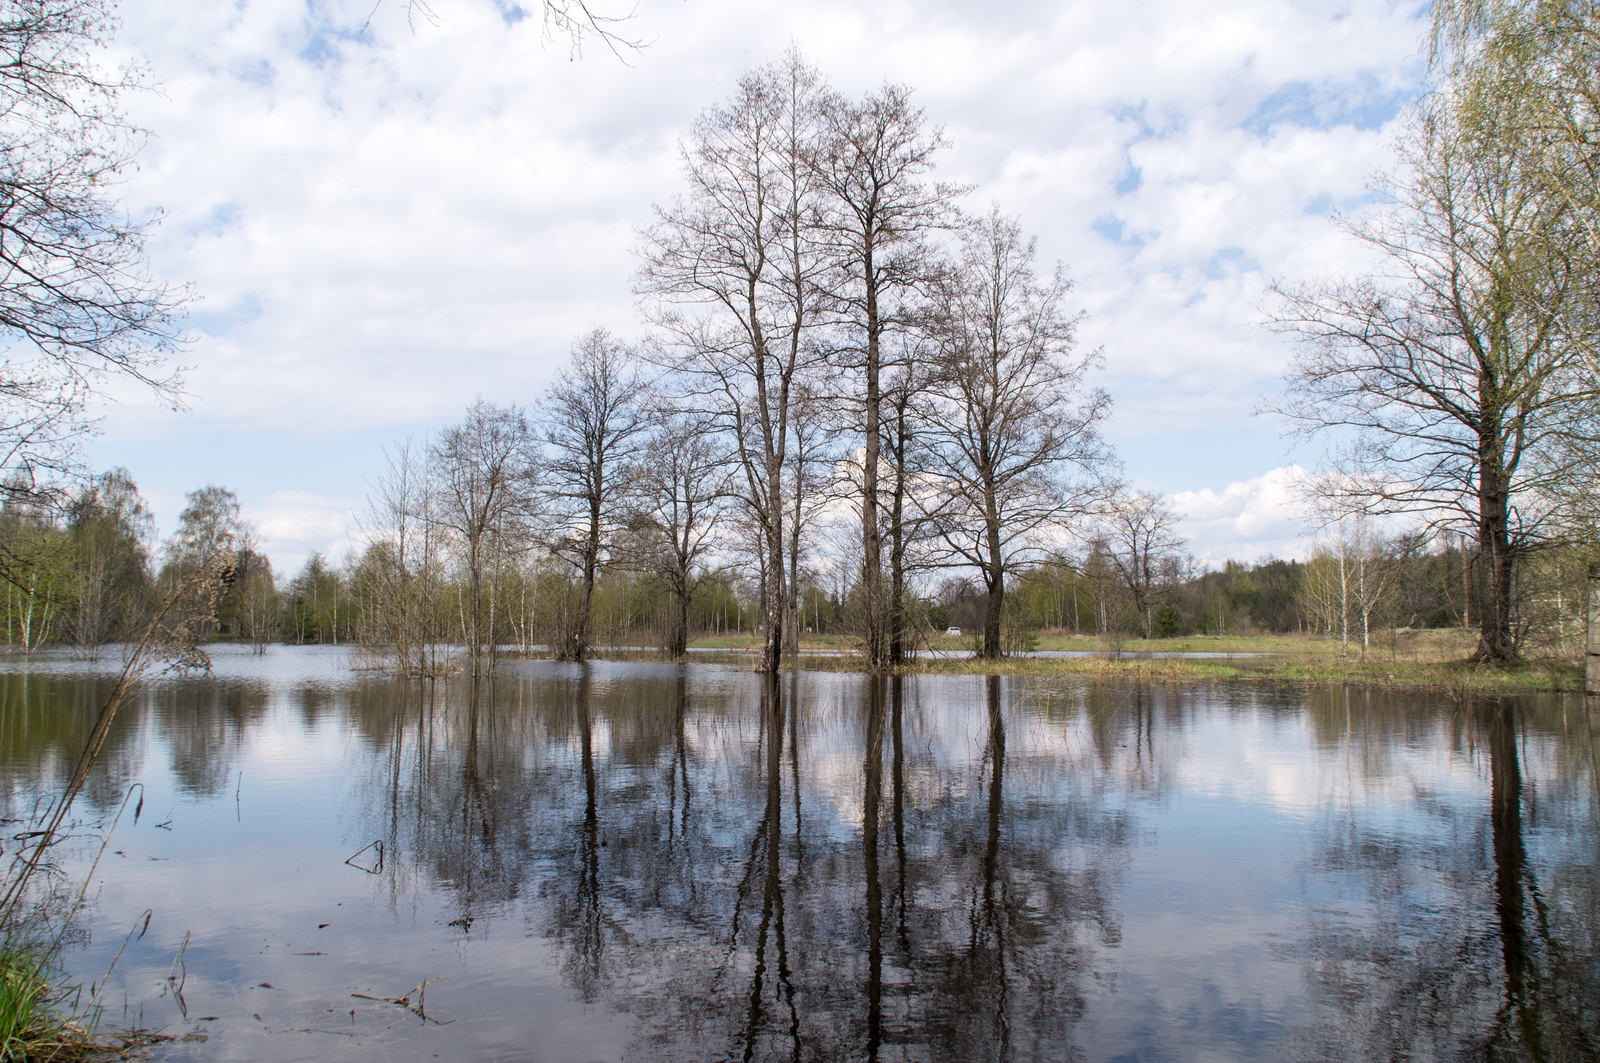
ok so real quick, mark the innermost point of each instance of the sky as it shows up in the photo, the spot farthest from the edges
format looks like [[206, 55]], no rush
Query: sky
[[383, 216]]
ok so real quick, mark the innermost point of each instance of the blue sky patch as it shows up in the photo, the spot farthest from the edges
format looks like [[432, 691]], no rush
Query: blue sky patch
[[223, 320]]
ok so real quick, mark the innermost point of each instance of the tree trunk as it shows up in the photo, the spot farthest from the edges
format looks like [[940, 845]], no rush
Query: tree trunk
[[792, 617], [678, 643], [578, 640], [772, 609], [1591, 662], [897, 542], [871, 538], [1495, 642], [475, 591], [994, 581], [774, 601]]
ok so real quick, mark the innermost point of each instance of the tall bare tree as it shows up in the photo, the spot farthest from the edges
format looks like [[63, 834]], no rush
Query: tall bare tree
[[484, 470], [734, 273], [594, 427], [874, 159], [1462, 369], [809, 459], [1014, 451], [905, 524]]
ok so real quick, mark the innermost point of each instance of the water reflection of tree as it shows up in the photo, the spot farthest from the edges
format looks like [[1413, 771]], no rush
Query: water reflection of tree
[[698, 853], [45, 720], [203, 724], [1005, 967], [736, 915], [1467, 953]]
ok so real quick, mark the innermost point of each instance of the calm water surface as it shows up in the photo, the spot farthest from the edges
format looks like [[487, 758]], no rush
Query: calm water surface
[[647, 862]]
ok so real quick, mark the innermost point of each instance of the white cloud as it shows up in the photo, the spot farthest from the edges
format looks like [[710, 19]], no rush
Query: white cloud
[[295, 524], [385, 225], [1245, 521]]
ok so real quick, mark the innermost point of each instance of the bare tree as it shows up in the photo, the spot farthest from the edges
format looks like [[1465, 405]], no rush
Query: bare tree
[[397, 578], [1138, 529], [874, 157], [1014, 450], [594, 425], [1463, 369], [682, 486], [734, 273], [484, 470], [77, 305]]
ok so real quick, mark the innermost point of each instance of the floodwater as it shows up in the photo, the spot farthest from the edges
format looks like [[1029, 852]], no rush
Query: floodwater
[[636, 861]]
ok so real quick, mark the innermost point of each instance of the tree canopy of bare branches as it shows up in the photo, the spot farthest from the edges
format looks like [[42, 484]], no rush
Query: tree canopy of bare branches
[[682, 486], [1462, 371], [734, 274], [484, 470], [1015, 449], [77, 304], [1140, 531], [873, 159], [594, 423]]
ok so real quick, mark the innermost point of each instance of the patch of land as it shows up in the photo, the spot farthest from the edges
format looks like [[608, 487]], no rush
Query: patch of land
[[1433, 659]]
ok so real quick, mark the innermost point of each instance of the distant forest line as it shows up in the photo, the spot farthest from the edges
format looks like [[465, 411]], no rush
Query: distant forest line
[[91, 572]]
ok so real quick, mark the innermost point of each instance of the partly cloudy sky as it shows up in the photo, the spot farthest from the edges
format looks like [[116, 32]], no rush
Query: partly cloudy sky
[[385, 219]]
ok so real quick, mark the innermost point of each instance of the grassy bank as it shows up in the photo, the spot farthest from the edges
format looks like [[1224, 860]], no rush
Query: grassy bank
[[1433, 660], [1456, 677], [31, 1028]]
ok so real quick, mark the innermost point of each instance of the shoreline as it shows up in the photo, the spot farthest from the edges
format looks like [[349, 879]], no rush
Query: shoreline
[[1434, 661]]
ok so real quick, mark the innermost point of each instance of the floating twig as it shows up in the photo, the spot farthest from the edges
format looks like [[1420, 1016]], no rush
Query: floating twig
[[377, 847], [418, 1009]]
